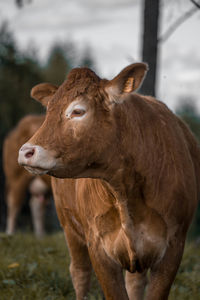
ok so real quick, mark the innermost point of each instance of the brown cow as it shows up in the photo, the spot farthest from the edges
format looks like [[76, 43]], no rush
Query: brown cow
[[18, 180], [145, 164]]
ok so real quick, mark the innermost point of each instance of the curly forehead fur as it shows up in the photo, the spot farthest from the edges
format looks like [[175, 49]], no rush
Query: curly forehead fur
[[80, 81], [82, 75]]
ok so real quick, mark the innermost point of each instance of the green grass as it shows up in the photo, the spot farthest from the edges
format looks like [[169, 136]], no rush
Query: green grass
[[36, 269], [39, 269], [187, 282]]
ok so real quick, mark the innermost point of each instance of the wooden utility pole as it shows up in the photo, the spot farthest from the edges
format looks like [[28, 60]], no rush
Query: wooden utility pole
[[150, 44]]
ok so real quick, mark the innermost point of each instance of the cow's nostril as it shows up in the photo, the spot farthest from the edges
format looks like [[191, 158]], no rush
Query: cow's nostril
[[30, 153]]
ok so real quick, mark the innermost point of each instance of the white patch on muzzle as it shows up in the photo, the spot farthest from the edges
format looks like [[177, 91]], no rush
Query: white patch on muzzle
[[36, 159]]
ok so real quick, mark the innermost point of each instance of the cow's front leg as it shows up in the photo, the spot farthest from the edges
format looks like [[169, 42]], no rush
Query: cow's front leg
[[80, 266], [135, 285], [109, 273], [163, 274]]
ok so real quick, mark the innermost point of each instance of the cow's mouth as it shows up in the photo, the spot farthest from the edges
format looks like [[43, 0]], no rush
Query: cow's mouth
[[36, 170]]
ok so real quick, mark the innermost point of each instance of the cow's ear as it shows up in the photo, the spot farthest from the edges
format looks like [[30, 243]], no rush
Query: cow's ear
[[126, 82], [43, 92]]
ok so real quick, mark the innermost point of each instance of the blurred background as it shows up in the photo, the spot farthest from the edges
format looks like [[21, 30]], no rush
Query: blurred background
[[42, 40]]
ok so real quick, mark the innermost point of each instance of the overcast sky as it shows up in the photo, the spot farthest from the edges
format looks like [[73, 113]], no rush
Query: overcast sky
[[112, 29]]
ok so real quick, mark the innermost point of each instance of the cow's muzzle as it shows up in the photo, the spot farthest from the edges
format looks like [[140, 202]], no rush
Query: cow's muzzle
[[36, 159]]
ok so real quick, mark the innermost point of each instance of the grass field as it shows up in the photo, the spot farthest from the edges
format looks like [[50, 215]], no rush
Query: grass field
[[38, 269]]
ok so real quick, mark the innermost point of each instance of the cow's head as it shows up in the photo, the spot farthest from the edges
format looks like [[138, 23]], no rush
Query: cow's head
[[80, 129]]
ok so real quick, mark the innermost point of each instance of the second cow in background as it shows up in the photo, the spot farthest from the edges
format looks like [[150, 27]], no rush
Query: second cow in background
[[19, 181]]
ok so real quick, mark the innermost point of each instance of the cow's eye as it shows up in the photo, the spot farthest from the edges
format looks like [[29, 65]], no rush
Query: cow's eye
[[77, 112]]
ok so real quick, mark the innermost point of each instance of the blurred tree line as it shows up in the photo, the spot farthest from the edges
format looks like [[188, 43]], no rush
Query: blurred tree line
[[19, 72]]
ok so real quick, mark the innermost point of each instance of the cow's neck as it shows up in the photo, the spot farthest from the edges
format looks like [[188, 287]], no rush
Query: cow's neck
[[118, 165], [123, 159]]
